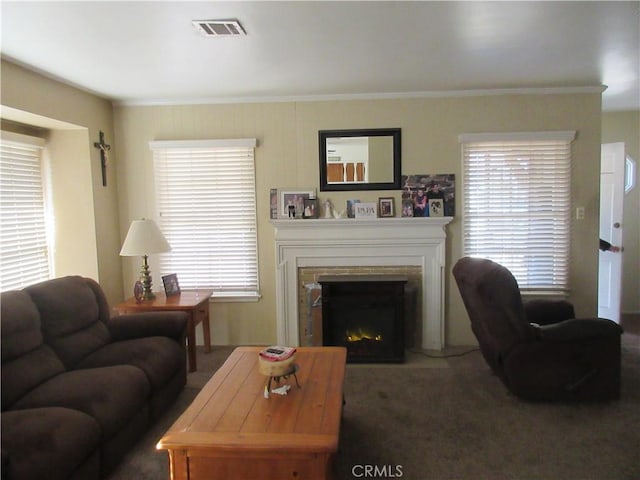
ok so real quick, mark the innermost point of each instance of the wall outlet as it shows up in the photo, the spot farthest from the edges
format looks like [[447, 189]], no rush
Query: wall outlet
[[580, 213]]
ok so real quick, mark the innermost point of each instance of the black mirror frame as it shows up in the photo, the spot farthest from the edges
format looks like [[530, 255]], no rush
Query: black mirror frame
[[371, 132]]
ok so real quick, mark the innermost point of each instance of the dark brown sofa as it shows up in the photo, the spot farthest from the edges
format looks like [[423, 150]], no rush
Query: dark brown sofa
[[79, 387], [538, 349]]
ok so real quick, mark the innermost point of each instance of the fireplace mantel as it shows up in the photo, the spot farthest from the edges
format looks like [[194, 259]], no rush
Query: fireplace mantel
[[356, 243]]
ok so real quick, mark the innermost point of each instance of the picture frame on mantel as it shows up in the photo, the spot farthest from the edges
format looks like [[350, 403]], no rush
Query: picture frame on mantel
[[310, 208], [366, 210], [273, 203], [386, 207], [292, 202]]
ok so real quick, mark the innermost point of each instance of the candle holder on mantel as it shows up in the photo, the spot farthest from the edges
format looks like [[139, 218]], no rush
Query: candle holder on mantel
[[144, 238]]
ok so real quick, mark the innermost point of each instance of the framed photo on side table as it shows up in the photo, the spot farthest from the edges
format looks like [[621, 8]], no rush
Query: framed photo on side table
[[386, 207], [171, 286]]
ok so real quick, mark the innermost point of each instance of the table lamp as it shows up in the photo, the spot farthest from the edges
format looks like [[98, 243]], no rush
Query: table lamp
[[144, 238]]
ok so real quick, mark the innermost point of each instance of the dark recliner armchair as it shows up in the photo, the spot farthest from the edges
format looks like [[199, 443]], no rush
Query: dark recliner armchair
[[538, 349]]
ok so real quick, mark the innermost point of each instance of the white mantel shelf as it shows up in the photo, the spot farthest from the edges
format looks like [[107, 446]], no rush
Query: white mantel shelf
[[337, 225], [361, 242]]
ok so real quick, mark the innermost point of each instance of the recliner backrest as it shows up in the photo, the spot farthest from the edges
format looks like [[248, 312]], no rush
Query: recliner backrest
[[73, 312], [492, 299]]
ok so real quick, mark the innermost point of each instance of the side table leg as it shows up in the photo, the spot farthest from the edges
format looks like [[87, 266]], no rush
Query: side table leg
[[206, 331], [191, 344]]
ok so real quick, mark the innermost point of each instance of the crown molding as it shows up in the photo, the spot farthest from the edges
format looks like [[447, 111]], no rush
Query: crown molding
[[598, 89]]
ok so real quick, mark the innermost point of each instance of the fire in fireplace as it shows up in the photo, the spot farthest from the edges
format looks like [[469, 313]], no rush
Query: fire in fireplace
[[365, 314], [360, 336]]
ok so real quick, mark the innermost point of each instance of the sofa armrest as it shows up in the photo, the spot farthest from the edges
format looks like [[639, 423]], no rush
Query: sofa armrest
[[149, 324], [577, 329], [546, 312]]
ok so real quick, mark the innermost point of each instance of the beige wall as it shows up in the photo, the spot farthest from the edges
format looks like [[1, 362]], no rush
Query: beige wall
[[625, 127], [31, 98], [286, 156], [70, 179]]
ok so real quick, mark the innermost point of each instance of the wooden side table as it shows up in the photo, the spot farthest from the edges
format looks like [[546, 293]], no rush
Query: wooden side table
[[194, 303]]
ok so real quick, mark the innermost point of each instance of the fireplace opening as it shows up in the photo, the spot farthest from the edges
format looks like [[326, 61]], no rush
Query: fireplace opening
[[365, 314]]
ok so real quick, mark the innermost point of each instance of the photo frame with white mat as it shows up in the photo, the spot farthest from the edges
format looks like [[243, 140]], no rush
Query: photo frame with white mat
[[291, 204]]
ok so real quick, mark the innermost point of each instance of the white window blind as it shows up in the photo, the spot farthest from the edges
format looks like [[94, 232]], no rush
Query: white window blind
[[206, 205], [517, 205], [24, 246]]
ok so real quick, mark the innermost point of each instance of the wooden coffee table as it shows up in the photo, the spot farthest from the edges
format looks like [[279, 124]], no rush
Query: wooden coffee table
[[231, 431]]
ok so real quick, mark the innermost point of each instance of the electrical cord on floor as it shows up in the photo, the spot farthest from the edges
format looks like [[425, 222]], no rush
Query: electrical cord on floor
[[450, 355]]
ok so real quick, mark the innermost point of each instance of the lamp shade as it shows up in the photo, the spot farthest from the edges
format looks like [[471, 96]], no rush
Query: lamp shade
[[143, 238]]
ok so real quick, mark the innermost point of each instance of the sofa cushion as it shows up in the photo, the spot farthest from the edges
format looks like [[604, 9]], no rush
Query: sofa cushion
[[26, 361], [111, 395], [47, 443], [25, 373], [20, 325], [158, 357], [72, 317]]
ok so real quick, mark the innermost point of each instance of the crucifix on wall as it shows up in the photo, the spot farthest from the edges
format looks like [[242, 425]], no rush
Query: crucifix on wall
[[104, 148]]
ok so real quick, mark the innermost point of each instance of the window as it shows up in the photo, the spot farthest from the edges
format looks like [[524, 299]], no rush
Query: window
[[24, 246], [517, 205], [629, 174], [206, 205]]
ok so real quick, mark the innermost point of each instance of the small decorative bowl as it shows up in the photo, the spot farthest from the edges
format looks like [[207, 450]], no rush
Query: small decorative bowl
[[275, 369]]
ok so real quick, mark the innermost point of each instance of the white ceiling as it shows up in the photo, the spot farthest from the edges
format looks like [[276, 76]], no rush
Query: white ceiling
[[149, 52]]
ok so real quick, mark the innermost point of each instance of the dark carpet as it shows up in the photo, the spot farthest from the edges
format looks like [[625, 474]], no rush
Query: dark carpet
[[441, 419]]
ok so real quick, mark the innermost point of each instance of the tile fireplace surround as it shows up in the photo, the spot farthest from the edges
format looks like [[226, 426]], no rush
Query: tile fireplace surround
[[361, 243]]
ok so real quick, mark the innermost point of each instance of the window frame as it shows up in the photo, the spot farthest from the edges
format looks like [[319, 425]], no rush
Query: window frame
[[556, 234], [41, 228], [201, 147]]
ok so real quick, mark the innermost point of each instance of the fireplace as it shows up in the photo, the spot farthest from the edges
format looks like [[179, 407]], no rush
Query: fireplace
[[365, 314], [379, 242]]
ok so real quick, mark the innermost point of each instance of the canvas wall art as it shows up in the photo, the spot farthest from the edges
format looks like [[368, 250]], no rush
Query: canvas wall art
[[426, 195]]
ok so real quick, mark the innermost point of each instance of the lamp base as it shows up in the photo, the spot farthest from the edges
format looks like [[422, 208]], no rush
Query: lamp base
[[145, 278]]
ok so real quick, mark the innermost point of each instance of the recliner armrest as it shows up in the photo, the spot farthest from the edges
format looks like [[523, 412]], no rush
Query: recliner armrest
[[545, 312], [149, 324], [5, 464], [578, 328]]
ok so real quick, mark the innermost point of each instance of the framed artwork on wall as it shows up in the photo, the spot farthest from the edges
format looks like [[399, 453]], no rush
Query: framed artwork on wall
[[429, 195]]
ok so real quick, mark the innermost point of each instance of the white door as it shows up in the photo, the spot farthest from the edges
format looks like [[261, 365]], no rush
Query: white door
[[611, 203]]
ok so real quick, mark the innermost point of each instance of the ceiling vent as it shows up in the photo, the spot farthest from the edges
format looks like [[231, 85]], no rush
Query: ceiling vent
[[216, 28]]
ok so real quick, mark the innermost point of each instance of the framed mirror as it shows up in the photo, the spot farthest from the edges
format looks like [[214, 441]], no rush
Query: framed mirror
[[364, 159]]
